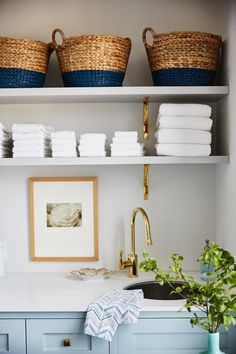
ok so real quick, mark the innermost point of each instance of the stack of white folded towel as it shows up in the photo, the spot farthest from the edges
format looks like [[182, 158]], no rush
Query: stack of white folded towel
[[125, 143], [92, 145], [184, 130], [64, 144], [5, 142], [31, 140]]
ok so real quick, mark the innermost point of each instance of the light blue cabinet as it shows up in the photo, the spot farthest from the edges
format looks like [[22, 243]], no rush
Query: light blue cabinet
[[12, 336], [154, 333], [47, 336], [169, 336]]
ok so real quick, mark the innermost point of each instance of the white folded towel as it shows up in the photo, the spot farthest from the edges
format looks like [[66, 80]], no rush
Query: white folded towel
[[185, 109], [64, 154], [91, 149], [127, 153], [93, 136], [30, 136], [126, 145], [33, 142], [126, 134], [182, 136], [183, 149], [32, 128], [178, 122], [92, 154], [124, 139], [31, 154], [113, 308], [64, 148], [30, 149], [67, 134]]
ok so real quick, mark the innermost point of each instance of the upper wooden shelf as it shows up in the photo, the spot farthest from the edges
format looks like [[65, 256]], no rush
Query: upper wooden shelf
[[112, 94]]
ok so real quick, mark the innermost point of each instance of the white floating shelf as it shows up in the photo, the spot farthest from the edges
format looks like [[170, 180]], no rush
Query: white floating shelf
[[80, 161], [112, 94]]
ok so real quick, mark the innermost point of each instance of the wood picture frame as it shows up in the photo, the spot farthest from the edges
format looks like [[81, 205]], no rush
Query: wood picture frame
[[63, 218]]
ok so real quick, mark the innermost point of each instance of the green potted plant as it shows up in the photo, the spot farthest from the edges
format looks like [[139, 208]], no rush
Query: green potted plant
[[212, 301]]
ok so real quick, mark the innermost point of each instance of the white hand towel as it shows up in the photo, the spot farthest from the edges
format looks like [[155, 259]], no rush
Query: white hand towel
[[176, 122], [99, 143], [127, 153], [92, 154], [64, 148], [183, 149], [64, 154], [185, 109], [124, 139], [113, 308], [93, 136], [182, 136], [90, 149], [31, 154], [30, 136], [32, 128], [68, 134], [33, 142], [126, 134], [126, 145], [30, 148]]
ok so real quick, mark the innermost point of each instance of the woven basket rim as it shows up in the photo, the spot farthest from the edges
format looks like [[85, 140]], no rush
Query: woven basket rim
[[24, 40], [98, 36], [189, 32]]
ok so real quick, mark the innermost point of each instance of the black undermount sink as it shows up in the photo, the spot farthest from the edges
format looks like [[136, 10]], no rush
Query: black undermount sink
[[155, 291]]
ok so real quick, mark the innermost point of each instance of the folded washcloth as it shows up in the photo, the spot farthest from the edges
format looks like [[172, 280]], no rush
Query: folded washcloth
[[183, 149], [33, 142], [182, 136], [63, 147], [92, 154], [185, 109], [124, 139], [91, 149], [126, 134], [30, 136], [32, 128], [113, 308], [27, 149], [126, 145], [192, 122], [95, 144]]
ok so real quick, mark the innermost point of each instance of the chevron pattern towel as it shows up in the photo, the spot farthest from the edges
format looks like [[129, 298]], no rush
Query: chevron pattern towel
[[113, 308]]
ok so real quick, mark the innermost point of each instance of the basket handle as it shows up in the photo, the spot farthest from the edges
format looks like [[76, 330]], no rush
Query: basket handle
[[54, 43], [148, 29]]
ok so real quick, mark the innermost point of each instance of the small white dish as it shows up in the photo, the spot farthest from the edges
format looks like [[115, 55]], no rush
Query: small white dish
[[92, 273]]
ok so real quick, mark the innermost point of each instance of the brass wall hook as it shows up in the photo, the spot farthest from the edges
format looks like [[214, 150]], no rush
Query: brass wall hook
[[145, 117], [145, 181]]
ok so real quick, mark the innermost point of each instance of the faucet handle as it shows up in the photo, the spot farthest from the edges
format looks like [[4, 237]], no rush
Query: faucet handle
[[121, 262]]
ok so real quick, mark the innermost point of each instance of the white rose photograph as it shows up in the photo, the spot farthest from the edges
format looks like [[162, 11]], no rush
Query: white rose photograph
[[64, 215]]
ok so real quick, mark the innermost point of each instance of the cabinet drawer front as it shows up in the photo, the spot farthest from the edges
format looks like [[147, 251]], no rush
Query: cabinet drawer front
[[48, 335], [12, 336], [165, 336]]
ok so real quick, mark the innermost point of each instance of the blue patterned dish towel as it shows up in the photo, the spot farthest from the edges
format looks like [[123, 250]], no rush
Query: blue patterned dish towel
[[113, 308]]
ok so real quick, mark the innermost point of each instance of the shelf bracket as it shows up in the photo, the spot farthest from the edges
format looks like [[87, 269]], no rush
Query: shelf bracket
[[145, 181], [145, 117]]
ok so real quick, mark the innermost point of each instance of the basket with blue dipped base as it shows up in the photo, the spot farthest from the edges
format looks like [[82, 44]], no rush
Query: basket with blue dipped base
[[183, 58], [23, 62], [92, 60]]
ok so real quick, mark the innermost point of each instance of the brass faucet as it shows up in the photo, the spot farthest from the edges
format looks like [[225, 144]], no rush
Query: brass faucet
[[132, 262]]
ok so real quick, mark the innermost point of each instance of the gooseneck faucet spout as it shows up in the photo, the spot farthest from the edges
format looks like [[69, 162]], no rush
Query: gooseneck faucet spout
[[132, 262]]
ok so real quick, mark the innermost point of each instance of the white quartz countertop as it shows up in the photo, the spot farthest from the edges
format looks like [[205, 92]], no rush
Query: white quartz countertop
[[57, 292]]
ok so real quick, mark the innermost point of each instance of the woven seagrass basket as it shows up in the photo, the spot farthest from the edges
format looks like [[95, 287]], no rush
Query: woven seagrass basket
[[23, 62], [92, 60], [183, 58]]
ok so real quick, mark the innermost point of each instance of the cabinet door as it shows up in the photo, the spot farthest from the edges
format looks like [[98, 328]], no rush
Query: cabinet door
[[48, 335], [168, 336], [12, 336]]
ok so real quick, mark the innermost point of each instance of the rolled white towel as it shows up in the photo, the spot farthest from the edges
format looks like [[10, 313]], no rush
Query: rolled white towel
[[183, 149], [182, 136], [177, 122], [185, 109], [32, 128], [126, 134]]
